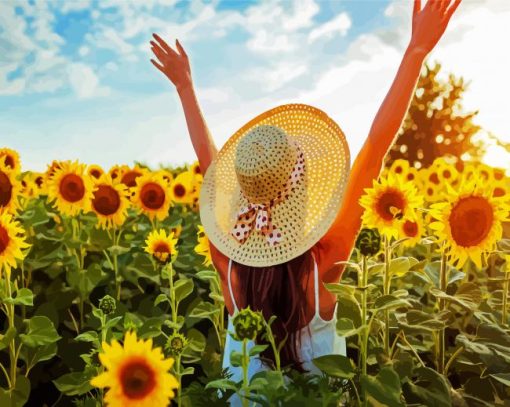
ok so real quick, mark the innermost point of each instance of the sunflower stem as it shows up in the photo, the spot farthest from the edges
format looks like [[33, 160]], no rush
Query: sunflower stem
[[443, 279], [12, 344], [246, 360], [386, 288], [179, 378], [506, 285], [364, 340]]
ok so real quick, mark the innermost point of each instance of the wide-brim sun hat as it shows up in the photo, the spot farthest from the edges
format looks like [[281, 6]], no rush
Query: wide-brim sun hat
[[276, 186]]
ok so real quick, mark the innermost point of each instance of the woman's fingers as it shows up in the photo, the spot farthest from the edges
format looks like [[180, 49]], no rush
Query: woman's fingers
[[417, 7], [164, 45], [160, 54], [452, 9], [160, 67], [181, 49]]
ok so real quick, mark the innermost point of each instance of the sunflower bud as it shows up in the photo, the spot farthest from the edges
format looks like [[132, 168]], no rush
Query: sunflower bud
[[368, 241], [107, 304], [248, 324], [176, 343]]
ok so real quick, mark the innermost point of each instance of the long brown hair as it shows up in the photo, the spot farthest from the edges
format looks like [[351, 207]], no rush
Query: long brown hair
[[278, 290]]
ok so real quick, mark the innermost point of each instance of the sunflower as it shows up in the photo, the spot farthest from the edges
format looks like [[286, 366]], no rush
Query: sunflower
[[109, 202], [388, 201], [53, 167], [176, 230], [116, 172], [167, 176], [469, 223], [10, 188], [412, 229], [183, 188], [161, 246], [129, 175], [10, 158], [400, 168], [95, 171], [70, 188], [12, 241], [137, 374], [195, 168], [203, 247], [151, 195], [431, 192]]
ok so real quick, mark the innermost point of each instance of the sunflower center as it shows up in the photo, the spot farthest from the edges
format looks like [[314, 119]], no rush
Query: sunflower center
[[9, 161], [106, 200], [129, 178], [152, 195], [410, 228], [389, 203], [39, 181], [72, 188], [95, 173], [434, 178], [137, 379], [5, 189], [162, 247], [471, 220], [4, 239], [179, 190]]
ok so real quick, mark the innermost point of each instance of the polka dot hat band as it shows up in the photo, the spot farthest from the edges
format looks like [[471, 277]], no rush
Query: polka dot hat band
[[276, 186]]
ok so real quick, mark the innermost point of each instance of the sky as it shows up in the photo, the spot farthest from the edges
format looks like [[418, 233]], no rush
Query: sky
[[76, 80]]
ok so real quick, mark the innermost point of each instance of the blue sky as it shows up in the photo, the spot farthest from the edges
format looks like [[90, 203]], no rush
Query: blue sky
[[76, 81]]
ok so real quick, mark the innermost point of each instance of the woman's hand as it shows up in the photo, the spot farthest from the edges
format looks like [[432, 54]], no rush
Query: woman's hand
[[175, 65], [430, 23]]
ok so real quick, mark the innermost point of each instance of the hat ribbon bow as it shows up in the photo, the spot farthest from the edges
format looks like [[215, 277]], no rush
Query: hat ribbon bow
[[258, 215]]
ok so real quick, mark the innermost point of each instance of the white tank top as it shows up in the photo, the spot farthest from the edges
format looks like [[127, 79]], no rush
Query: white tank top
[[322, 339]]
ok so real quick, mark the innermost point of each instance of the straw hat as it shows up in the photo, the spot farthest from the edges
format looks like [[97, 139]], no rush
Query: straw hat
[[276, 186]]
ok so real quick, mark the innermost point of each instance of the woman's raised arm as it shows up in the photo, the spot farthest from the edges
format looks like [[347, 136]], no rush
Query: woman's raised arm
[[428, 26], [175, 66]]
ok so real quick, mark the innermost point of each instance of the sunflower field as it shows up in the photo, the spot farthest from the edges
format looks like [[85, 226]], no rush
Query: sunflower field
[[109, 296]]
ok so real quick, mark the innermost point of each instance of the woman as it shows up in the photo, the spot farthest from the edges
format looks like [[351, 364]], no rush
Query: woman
[[277, 265]]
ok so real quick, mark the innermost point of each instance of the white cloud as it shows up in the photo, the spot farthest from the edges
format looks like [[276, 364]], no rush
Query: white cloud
[[276, 76], [85, 82], [340, 24]]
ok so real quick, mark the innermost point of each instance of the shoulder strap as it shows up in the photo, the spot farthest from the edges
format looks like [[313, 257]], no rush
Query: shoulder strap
[[230, 285], [316, 284]]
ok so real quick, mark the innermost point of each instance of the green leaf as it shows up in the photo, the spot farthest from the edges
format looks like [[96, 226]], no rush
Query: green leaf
[[32, 356], [339, 289], [468, 295], [89, 336], [236, 358], [204, 310], [222, 384], [74, 384], [389, 301], [118, 250], [6, 338], [18, 396], [384, 388], [41, 331], [24, 296], [345, 327], [183, 287], [349, 308], [335, 365], [189, 370], [110, 323], [161, 298], [502, 378], [430, 387], [256, 349], [151, 327], [399, 266]]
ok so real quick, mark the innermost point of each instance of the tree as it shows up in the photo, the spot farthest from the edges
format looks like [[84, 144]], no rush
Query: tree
[[435, 125]]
